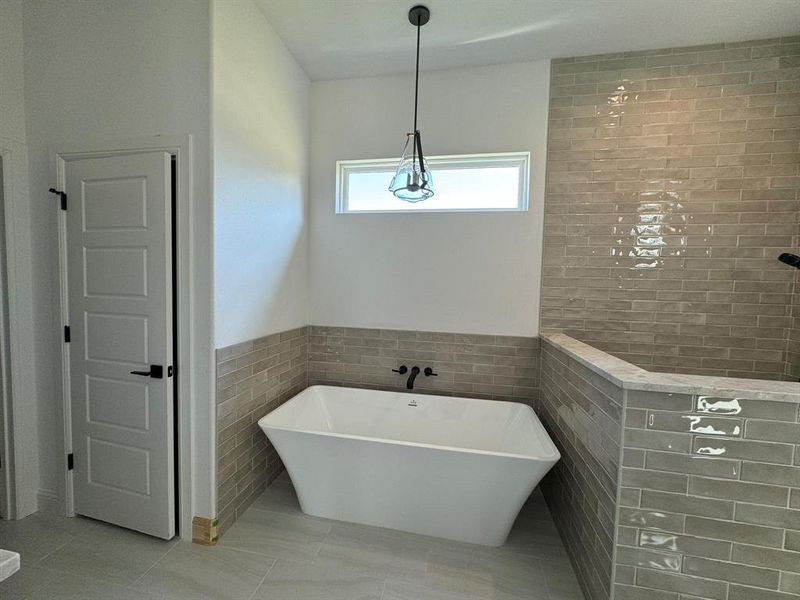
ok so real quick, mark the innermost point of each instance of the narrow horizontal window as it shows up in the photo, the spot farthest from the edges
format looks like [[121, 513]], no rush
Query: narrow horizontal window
[[463, 183]]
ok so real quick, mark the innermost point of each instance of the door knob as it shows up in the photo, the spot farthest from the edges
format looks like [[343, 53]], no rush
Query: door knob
[[156, 372]]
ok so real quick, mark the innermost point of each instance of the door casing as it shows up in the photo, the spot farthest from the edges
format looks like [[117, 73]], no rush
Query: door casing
[[181, 148], [5, 371], [21, 468]]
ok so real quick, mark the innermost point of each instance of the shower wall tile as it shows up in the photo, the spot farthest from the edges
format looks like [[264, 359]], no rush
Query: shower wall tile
[[582, 412], [672, 186], [792, 366], [253, 378], [477, 366], [710, 516]]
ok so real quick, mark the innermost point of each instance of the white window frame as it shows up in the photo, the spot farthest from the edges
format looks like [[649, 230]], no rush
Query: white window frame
[[521, 160]]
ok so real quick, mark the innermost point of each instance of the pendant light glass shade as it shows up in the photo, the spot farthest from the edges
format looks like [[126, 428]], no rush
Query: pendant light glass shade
[[412, 181]]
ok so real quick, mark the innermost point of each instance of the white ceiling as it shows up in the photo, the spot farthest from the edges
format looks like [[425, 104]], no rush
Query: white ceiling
[[335, 39]]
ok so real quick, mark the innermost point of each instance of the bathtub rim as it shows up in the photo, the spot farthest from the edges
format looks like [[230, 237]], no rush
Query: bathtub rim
[[554, 456]]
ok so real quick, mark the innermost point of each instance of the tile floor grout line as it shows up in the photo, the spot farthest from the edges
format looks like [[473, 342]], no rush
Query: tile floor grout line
[[158, 560], [383, 589], [263, 579], [270, 557], [415, 559], [38, 563]]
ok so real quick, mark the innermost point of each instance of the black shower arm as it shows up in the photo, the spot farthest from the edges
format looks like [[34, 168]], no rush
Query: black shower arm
[[790, 259]]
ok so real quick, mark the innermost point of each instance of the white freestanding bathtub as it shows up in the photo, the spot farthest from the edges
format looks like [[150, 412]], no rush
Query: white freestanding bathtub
[[455, 468]]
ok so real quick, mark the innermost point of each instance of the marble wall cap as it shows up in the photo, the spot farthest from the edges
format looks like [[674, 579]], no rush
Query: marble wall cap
[[631, 377]]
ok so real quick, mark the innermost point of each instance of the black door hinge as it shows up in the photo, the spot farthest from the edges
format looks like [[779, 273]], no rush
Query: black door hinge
[[67, 335], [70, 461], [62, 195]]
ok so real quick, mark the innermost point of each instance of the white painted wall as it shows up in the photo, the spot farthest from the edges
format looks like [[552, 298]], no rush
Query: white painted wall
[[260, 125], [13, 149], [12, 99], [104, 71], [460, 272]]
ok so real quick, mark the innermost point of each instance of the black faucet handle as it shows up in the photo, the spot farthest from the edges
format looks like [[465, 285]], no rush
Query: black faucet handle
[[402, 370], [429, 372]]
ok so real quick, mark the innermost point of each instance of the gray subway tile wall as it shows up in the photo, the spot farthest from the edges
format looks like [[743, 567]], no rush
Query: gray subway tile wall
[[477, 366], [672, 186], [253, 378], [257, 376], [792, 367], [710, 516], [706, 502], [582, 412]]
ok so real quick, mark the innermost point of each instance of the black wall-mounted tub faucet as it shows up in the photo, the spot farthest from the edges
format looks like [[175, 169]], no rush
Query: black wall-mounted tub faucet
[[412, 377]]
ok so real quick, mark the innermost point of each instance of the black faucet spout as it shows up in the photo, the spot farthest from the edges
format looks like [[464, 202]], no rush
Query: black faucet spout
[[412, 377]]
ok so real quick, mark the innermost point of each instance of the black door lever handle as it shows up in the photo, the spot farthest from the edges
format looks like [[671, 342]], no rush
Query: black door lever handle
[[156, 372]]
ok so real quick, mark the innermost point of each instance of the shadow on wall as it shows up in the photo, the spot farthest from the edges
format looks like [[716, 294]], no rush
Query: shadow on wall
[[260, 172]]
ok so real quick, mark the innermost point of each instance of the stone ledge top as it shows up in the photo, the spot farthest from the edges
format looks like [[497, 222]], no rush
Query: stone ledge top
[[630, 377]]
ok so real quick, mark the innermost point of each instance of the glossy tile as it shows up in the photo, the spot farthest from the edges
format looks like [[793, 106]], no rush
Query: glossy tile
[[691, 464], [738, 490], [665, 195], [582, 412], [684, 584], [735, 573]]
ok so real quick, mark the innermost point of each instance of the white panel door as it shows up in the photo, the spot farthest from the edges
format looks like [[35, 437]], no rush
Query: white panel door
[[119, 246]]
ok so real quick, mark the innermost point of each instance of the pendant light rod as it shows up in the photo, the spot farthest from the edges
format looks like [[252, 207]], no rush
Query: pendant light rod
[[412, 182], [418, 16], [416, 80]]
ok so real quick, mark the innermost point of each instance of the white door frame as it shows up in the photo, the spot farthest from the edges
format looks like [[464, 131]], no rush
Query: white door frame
[[19, 437], [181, 148], [5, 370]]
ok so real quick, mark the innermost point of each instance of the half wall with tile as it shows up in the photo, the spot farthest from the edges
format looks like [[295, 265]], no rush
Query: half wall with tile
[[710, 497], [253, 378], [582, 412], [707, 493]]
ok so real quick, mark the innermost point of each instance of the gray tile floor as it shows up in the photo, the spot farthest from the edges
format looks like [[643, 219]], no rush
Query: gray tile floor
[[275, 552]]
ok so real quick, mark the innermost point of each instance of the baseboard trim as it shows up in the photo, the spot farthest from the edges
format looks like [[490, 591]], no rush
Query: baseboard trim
[[204, 531]]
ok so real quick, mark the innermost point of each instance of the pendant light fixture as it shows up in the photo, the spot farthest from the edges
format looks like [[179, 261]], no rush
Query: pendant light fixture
[[412, 181]]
